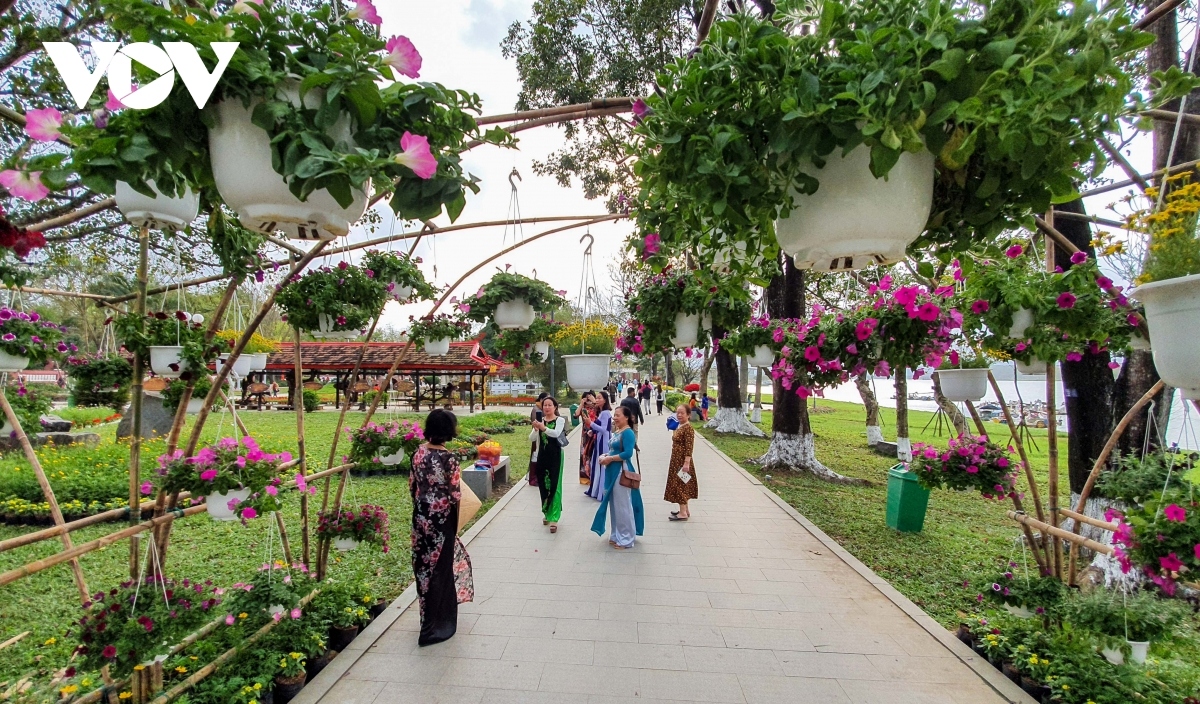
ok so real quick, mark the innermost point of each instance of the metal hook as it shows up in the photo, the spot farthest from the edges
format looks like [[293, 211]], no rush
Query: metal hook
[[591, 240], [535, 273], [516, 173]]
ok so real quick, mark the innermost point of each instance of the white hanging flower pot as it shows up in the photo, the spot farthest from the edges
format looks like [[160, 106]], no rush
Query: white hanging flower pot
[[218, 504], [345, 544], [258, 361], [1034, 367], [163, 356], [393, 459], [763, 356], [855, 220], [1113, 655], [1022, 320], [158, 213], [687, 330], [963, 384], [12, 363], [1139, 343], [516, 314], [543, 348], [587, 372], [1173, 315], [194, 405], [400, 293], [327, 329], [1018, 611], [437, 348], [1138, 649], [241, 165], [242, 366]]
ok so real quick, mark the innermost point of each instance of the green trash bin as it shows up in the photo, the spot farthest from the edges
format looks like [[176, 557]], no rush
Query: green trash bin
[[574, 418], [906, 501]]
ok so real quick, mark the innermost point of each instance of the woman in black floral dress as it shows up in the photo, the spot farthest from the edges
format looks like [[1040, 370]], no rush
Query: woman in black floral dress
[[441, 565]]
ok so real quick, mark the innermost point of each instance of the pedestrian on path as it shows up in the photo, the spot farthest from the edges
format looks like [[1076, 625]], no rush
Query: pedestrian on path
[[681, 475], [644, 394], [440, 562], [631, 404], [548, 428], [602, 430], [531, 476], [586, 415], [658, 397], [622, 504]]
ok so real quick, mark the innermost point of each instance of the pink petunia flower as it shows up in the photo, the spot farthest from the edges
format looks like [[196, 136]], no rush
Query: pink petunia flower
[[146, 488], [1014, 251], [208, 475], [1175, 513], [1104, 283], [1079, 257], [113, 103], [26, 185], [364, 10], [43, 125], [417, 156], [640, 110], [248, 513], [865, 328], [651, 245], [928, 312], [1171, 563], [1074, 357], [230, 620], [1066, 300], [403, 57], [980, 307], [295, 614]]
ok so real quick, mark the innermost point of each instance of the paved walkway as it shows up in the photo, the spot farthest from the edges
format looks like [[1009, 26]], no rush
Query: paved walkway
[[746, 602]]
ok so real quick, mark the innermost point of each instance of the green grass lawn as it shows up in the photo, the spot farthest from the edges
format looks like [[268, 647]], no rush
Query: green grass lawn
[[46, 603], [965, 536]]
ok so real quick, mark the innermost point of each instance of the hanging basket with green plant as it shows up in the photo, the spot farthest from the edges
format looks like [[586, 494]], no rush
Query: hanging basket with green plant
[[341, 300], [172, 344], [666, 305], [99, 380], [989, 112], [507, 288], [399, 274], [437, 327], [27, 340]]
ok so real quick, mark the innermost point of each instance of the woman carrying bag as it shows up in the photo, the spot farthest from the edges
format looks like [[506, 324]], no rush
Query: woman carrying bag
[[681, 475], [549, 436], [602, 433], [622, 497]]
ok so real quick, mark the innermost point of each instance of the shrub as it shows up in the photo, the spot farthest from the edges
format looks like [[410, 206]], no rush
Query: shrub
[[29, 406], [100, 381], [1133, 480], [311, 401]]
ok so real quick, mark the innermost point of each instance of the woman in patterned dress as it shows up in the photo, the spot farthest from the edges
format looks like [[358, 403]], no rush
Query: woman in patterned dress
[[678, 490], [440, 562], [585, 416], [602, 432]]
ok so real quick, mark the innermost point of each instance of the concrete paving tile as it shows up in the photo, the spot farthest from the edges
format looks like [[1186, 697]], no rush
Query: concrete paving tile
[[829, 640], [842, 666], [640, 655], [428, 694], [665, 597], [571, 652], [947, 670], [561, 609], [493, 605], [680, 634], [596, 630], [513, 696], [391, 667], [590, 679], [775, 689], [732, 660], [493, 674], [766, 638], [701, 584], [714, 617], [791, 619], [753, 602], [462, 645], [868, 692], [691, 686], [355, 691], [638, 612], [526, 626]]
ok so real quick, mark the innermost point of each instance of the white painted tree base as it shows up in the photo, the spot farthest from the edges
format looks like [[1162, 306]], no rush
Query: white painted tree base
[[904, 449], [799, 453], [874, 435], [756, 415], [733, 420]]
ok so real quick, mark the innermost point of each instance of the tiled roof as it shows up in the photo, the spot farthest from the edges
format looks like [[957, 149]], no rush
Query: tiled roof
[[465, 356]]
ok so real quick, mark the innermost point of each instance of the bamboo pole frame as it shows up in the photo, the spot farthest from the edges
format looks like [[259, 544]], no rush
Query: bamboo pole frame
[[1059, 533], [135, 404], [1106, 525], [1040, 549], [1056, 561]]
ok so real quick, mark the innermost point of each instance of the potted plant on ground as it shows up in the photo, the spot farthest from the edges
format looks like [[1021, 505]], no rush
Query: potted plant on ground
[[28, 405], [1036, 317], [400, 275], [348, 527], [1025, 596], [969, 462], [436, 332], [1169, 286], [388, 443], [29, 339], [226, 474], [512, 301], [875, 126], [963, 376], [291, 676], [344, 625], [337, 302], [586, 347], [171, 343], [669, 307], [99, 380], [755, 340]]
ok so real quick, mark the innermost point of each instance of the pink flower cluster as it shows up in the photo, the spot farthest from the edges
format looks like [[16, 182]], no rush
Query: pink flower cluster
[[969, 462]]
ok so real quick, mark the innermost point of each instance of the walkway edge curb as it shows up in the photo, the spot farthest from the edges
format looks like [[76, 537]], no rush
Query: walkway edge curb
[[325, 680], [990, 675]]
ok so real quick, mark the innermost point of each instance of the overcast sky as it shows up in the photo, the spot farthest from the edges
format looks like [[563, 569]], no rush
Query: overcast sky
[[459, 41]]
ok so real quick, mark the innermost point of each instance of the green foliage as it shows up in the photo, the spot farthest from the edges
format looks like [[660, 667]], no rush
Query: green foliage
[[275, 584], [173, 394], [1072, 311], [77, 474], [236, 247], [1036, 593], [1141, 616], [437, 327], [100, 381], [396, 270], [969, 462], [1009, 96], [656, 305], [1133, 480], [745, 339], [28, 406], [345, 293], [335, 61], [311, 401], [138, 334], [503, 287]]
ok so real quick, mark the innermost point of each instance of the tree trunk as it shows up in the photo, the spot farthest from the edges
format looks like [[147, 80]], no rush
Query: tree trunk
[[948, 407], [729, 417], [669, 361], [903, 443], [704, 367], [792, 442], [743, 378], [1088, 384], [874, 432]]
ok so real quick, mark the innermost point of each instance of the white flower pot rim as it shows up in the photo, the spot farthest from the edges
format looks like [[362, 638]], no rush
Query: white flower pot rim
[[1173, 314]]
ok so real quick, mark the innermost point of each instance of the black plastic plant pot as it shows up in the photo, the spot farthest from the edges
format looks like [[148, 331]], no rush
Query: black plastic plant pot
[[1011, 672], [340, 637], [376, 610], [314, 665], [286, 688], [964, 634]]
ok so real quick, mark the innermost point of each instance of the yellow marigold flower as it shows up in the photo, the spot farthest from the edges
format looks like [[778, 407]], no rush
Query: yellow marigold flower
[[50, 641], [125, 695], [242, 615], [86, 682], [181, 669], [257, 686], [69, 689], [296, 656], [139, 668]]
